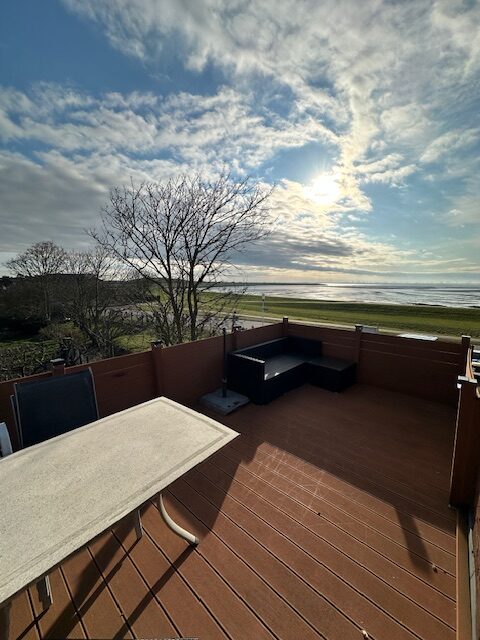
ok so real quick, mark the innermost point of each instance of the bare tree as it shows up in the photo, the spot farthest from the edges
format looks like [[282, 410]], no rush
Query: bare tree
[[92, 295], [43, 261], [180, 238]]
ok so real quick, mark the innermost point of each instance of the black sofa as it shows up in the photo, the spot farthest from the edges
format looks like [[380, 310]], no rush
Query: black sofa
[[265, 371]]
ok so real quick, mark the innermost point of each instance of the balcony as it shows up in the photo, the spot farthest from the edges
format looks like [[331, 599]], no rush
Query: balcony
[[327, 518]]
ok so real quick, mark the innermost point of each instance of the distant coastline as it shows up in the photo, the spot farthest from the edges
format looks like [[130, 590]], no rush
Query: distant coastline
[[465, 296]]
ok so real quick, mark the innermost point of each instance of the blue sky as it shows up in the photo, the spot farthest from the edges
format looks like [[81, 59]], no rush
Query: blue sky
[[365, 115]]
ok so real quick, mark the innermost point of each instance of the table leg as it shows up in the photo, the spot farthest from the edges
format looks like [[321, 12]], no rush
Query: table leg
[[5, 620], [138, 524], [189, 537], [45, 591]]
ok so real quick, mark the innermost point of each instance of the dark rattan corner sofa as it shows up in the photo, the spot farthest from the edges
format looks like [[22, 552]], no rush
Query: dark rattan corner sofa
[[265, 371]]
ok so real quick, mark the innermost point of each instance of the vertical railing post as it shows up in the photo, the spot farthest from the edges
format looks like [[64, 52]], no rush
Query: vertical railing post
[[234, 339], [358, 342], [58, 366], [465, 462], [285, 327], [465, 347], [156, 350]]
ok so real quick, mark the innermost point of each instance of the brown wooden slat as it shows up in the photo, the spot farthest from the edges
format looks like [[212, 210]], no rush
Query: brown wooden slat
[[320, 412], [92, 599], [59, 620], [319, 451], [286, 491], [308, 475], [143, 614], [22, 620], [342, 444], [321, 614], [345, 598], [392, 530], [388, 600], [431, 600], [416, 376], [186, 611], [406, 432], [428, 346], [275, 613], [464, 614], [260, 334], [432, 507], [236, 618], [142, 359]]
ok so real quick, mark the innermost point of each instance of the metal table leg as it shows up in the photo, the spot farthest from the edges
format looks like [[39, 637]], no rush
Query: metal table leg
[[138, 524], [45, 591], [45, 596], [189, 537]]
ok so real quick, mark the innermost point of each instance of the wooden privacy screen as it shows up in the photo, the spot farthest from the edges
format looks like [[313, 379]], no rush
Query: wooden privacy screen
[[119, 382], [183, 372], [465, 476], [187, 371], [427, 369]]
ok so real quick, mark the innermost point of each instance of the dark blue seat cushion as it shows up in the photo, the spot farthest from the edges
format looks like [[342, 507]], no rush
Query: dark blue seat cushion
[[51, 406]]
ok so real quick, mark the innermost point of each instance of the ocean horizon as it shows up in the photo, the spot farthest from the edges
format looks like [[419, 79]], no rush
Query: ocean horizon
[[443, 295]]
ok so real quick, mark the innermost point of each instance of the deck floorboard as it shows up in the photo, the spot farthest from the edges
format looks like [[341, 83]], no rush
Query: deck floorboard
[[327, 517]]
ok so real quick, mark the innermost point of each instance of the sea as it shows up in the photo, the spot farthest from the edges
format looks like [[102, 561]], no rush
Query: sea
[[445, 295]]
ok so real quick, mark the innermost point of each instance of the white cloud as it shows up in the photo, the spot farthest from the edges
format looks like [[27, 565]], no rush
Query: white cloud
[[373, 83], [442, 148], [362, 49]]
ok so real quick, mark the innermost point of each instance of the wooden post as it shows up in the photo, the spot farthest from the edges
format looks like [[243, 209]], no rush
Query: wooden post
[[463, 599], [285, 327], [358, 341], [464, 355], [58, 366], [156, 348], [465, 463]]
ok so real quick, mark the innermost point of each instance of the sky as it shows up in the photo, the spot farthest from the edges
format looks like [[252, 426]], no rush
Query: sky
[[364, 114]]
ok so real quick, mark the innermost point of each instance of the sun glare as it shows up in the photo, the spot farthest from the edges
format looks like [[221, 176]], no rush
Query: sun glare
[[324, 189]]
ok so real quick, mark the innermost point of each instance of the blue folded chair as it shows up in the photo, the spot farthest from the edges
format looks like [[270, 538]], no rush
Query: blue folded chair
[[48, 407]]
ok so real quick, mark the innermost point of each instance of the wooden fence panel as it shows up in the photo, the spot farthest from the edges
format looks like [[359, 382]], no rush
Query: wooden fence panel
[[427, 369], [120, 383], [338, 343], [185, 372], [249, 337], [192, 369]]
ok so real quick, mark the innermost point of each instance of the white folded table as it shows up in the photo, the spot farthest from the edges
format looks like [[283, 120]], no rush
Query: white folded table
[[58, 495]]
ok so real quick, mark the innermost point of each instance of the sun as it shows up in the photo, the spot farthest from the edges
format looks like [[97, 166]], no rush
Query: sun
[[323, 189]]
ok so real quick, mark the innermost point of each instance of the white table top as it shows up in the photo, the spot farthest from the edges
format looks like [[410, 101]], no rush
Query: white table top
[[58, 495]]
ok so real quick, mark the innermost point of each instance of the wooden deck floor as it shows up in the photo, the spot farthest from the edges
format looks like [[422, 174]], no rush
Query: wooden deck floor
[[327, 517]]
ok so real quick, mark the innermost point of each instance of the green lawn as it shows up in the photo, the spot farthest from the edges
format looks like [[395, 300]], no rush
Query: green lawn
[[425, 319], [138, 342]]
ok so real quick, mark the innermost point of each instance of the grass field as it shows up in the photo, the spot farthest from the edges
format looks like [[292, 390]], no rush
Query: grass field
[[426, 319], [444, 321]]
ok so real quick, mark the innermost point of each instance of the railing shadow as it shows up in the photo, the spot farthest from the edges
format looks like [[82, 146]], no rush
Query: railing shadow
[[323, 446], [365, 439]]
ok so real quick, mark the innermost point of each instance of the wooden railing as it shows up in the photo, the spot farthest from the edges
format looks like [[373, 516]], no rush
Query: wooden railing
[[464, 494], [187, 371], [466, 453], [426, 369], [183, 373]]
